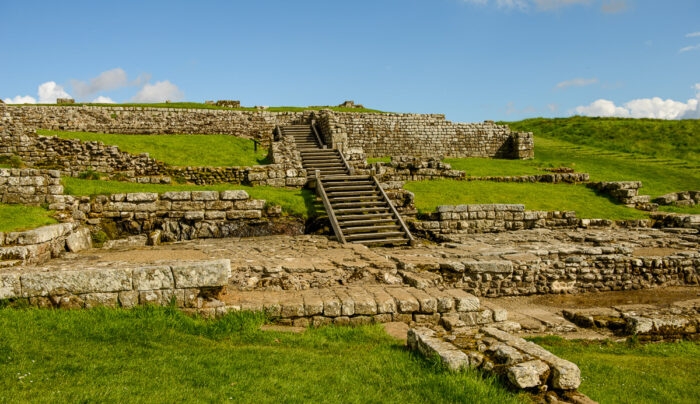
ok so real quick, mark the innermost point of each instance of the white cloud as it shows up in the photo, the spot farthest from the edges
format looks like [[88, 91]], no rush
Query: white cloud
[[158, 92], [103, 100], [689, 48], [645, 108], [577, 82], [49, 91], [20, 100], [692, 34], [105, 81]]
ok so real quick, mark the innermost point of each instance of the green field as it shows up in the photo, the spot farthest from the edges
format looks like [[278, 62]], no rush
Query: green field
[[297, 202], [628, 373], [20, 217], [179, 150], [538, 196], [197, 105], [665, 139], [160, 355]]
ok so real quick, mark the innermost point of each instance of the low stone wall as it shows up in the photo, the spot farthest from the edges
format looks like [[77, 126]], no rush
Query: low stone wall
[[679, 220], [180, 215], [38, 245], [451, 219], [29, 187], [625, 192], [685, 198], [560, 178], [185, 283]]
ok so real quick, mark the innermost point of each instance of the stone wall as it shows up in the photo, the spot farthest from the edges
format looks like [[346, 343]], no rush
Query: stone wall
[[72, 156], [29, 187], [183, 282], [427, 135], [138, 120], [378, 134], [685, 198], [626, 192], [38, 245], [451, 219], [178, 216]]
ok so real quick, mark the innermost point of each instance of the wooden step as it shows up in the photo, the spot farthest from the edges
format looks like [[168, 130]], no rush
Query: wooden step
[[358, 204], [368, 236], [348, 188], [351, 193], [360, 210], [368, 216], [355, 198], [335, 183], [365, 229], [319, 164], [382, 241], [350, 223]]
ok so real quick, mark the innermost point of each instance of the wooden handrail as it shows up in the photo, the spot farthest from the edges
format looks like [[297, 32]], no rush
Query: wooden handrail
[[318, 137], [396, 212], [329, 209]]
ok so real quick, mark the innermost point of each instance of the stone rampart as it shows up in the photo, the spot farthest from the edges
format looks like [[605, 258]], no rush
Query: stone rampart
[[29, 187], [427, 135], [377, 133]]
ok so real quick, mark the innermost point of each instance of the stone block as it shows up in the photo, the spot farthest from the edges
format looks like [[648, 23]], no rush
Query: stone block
[[75, 282], [10, 286], [155, 277], [177, 196], [128, 299], [142, 197], [205, 195], [234, 195], [464, 301], [528, 374], [79, 240], [100, 300], [202, 274], [424, 341]]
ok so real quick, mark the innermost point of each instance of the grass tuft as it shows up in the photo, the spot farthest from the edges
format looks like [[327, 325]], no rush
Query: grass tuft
[[20, 217]]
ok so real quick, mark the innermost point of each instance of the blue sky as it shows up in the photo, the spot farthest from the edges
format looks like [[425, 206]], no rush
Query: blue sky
[[469, 59]]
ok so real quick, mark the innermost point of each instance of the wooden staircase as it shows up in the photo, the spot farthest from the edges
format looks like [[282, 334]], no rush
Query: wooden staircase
[[357, 206]]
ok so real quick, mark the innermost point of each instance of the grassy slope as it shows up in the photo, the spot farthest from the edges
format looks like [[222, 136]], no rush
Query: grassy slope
[[563, 197], [651, 137], [20, 217], [179, 150], [620, 373], [160, 355], [197, 105], [293, 201]]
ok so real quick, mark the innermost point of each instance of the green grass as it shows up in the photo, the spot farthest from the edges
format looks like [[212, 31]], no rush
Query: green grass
[[20, 217], [668, 139], [160, 355], [297, 202], [197, 105], [179, 150], [379, 159], [624, 373], [691, 210], [537, 196]]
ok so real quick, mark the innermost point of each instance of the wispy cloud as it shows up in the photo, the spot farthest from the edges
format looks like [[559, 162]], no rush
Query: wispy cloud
[[614, 6], [692, 34], [577, 82], [689, 48], [607, 6], [106, 81], [158, 92]]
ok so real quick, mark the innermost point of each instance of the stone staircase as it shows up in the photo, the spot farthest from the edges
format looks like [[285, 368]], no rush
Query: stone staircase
[[357, 206]]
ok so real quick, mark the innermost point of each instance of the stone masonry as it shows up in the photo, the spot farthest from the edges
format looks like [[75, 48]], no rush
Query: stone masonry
[[29, 187]]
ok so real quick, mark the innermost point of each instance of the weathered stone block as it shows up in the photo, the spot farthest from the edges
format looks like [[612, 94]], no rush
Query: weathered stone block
[[202, 274], [149, 278], [234, 195], [75, 282]]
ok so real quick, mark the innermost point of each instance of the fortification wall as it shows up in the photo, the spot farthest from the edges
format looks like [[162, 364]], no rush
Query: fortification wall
[[427, 135], [29, 187], [378, 134]]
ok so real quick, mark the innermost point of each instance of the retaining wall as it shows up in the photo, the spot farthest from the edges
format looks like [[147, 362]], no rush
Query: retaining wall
[[187, 283], [29, 187]]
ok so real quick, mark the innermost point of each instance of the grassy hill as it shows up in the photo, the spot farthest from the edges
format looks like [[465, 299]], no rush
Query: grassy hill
[[673, 139]]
